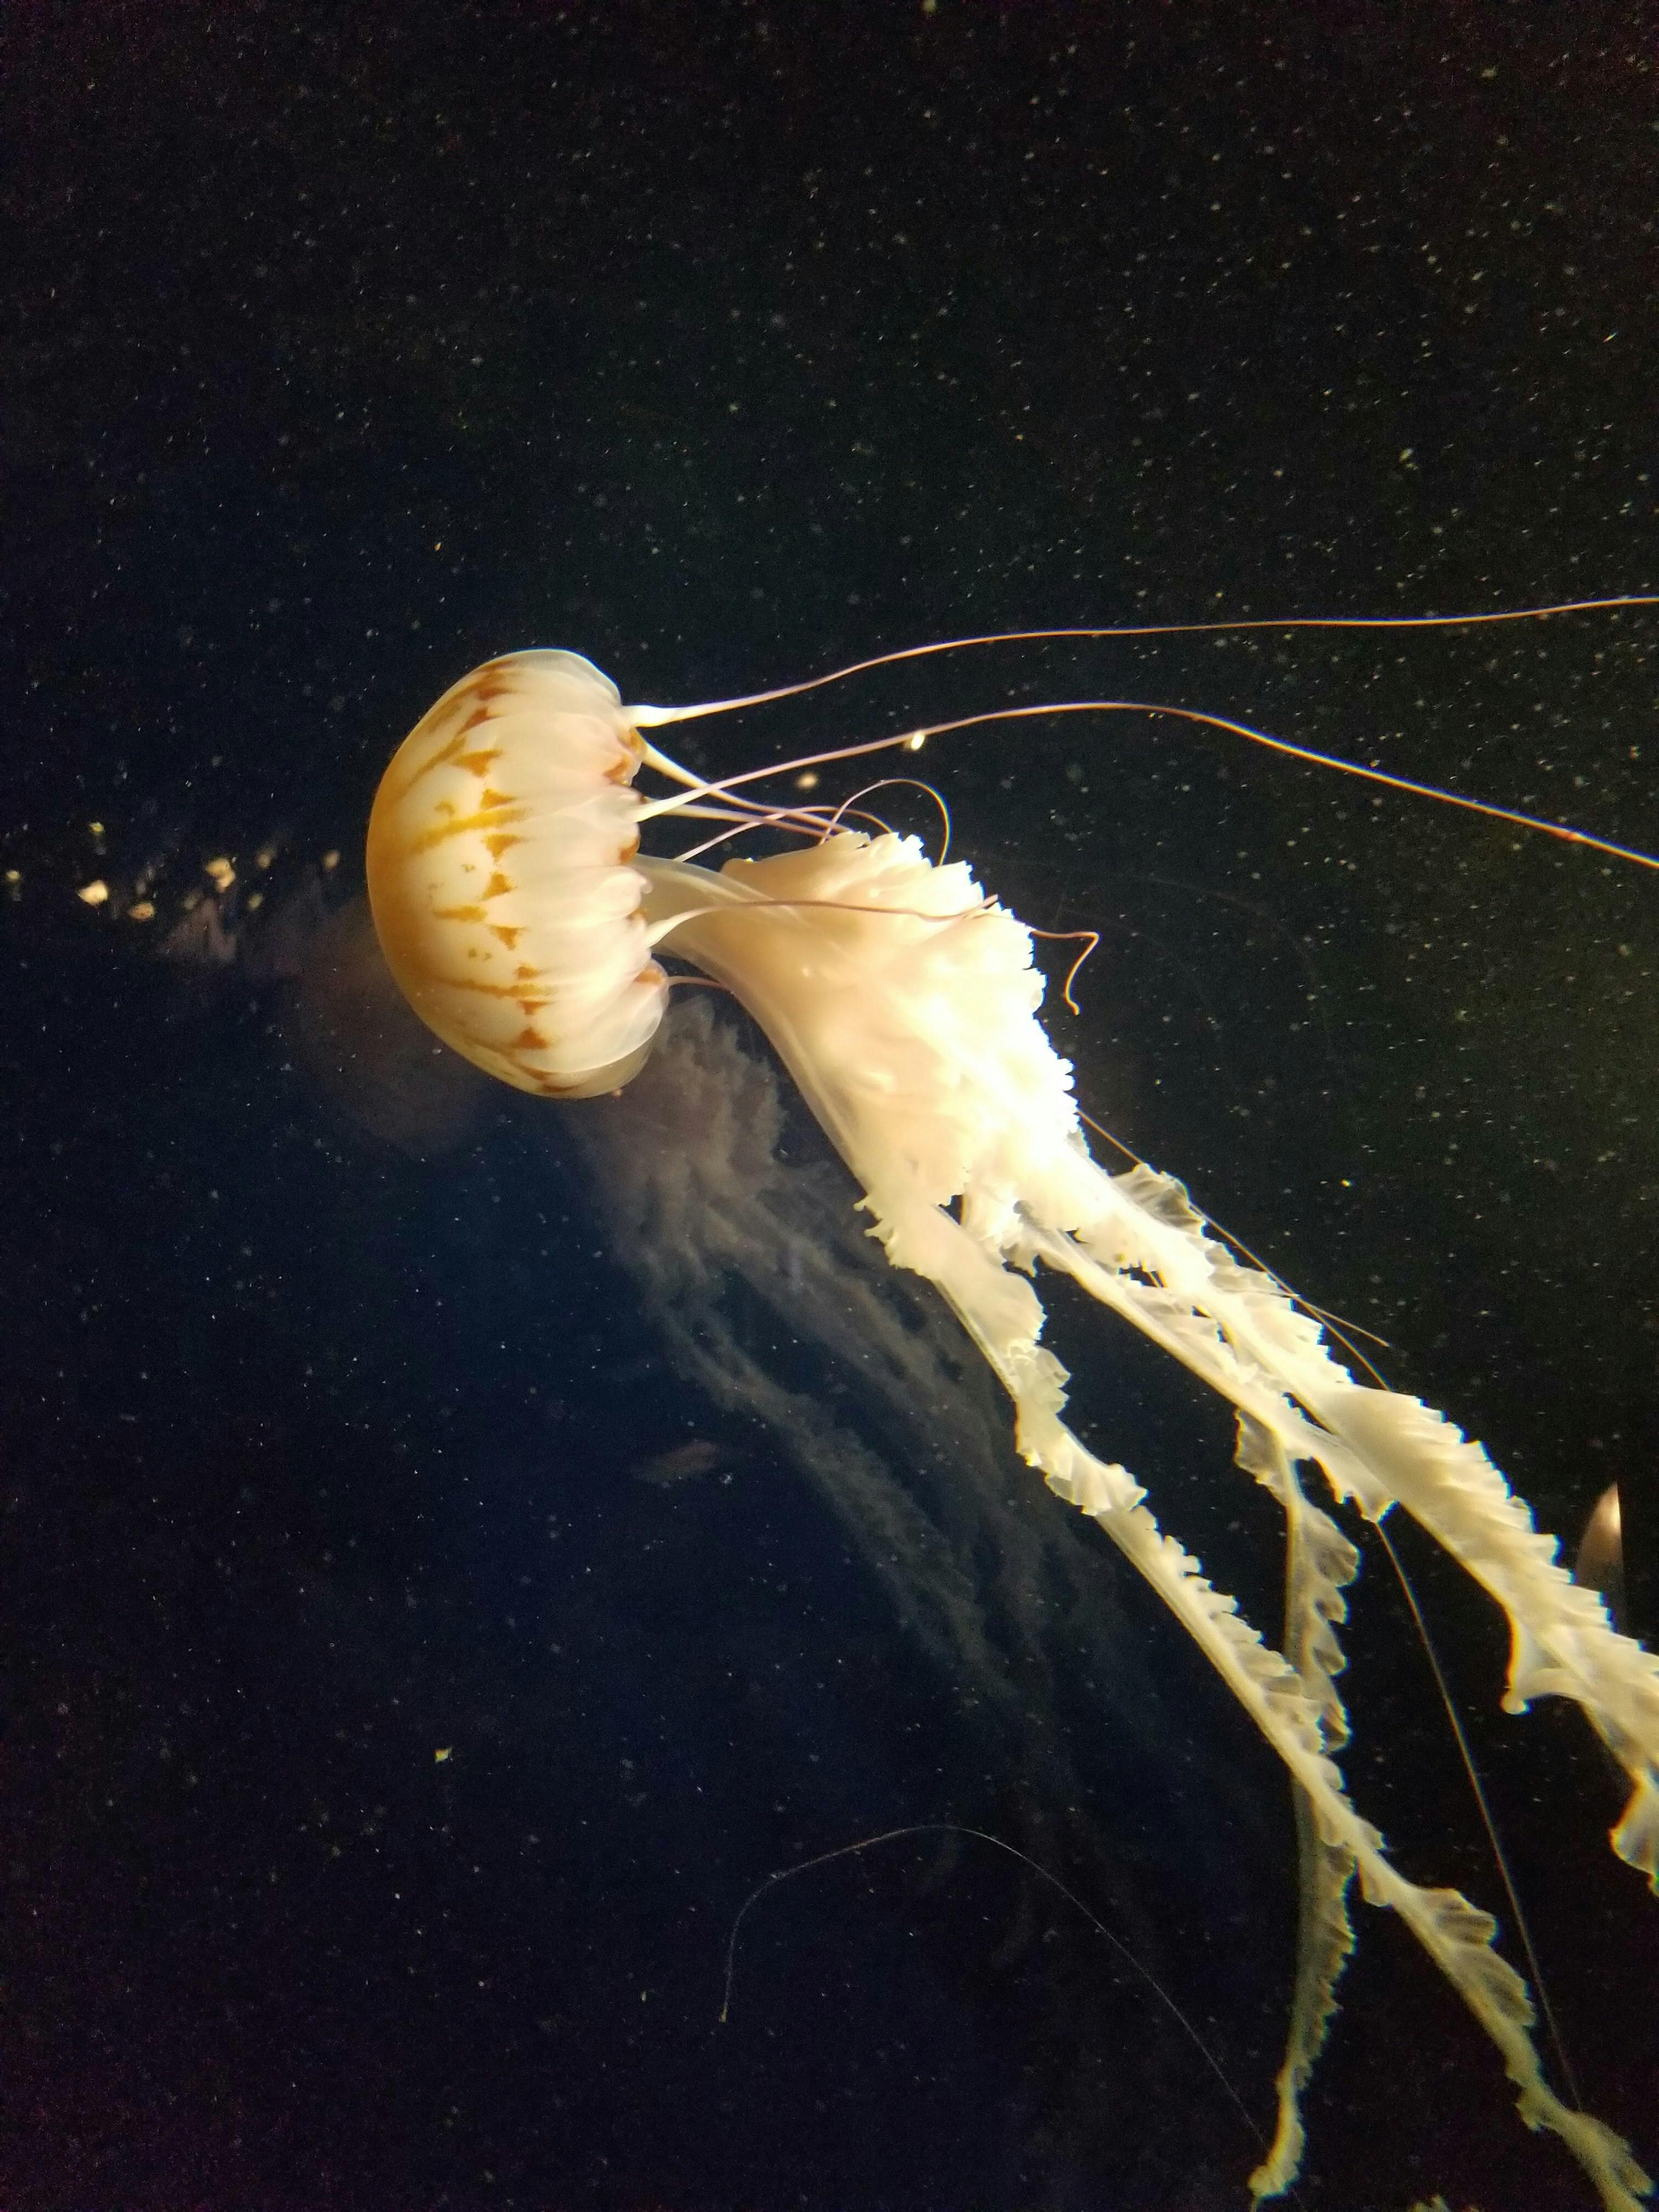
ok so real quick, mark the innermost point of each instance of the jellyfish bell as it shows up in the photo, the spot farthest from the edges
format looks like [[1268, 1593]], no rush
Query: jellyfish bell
[[522, 920], [499, 852]]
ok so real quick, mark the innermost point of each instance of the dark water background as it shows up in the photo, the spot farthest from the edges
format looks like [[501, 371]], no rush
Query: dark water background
[[724, 344]]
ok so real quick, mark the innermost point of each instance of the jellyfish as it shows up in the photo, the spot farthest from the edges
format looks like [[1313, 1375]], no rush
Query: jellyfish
[[523, 923]]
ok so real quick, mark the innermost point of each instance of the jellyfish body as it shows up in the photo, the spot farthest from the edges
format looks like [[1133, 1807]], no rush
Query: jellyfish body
[[521, 920], [498, 852]]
